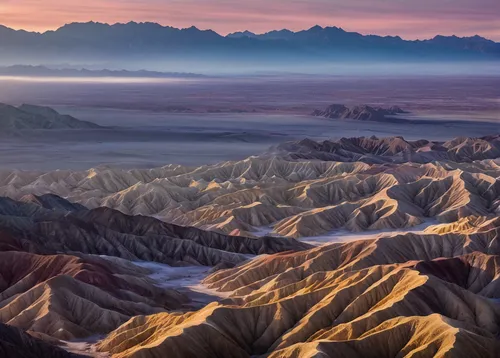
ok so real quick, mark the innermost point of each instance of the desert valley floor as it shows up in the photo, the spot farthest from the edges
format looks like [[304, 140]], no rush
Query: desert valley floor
[[268, 233], [207, 121]]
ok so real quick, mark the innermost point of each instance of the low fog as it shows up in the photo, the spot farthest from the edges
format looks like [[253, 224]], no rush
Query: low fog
[[231, 67]]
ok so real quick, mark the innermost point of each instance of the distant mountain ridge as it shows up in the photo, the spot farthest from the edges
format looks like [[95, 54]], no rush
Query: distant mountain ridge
[[38, 71], [150, 40], [318, 35], [318, 32]]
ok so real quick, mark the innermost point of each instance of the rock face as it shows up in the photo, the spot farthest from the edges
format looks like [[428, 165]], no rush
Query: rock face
[[37, 117], [360, 113]]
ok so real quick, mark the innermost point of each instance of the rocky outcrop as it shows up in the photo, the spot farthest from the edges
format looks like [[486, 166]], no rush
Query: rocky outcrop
[[360, 113], [37, 117]]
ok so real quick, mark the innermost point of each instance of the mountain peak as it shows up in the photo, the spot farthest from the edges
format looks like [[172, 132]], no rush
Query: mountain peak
[[240, 34], [81, 26], [334, 28], [248, 33], [316, 28], [84, 24]]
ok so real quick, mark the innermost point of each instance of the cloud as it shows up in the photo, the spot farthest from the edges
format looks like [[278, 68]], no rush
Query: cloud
[[408, 18]]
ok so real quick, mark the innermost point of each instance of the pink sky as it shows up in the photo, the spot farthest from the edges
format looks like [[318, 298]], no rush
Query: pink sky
[[410, 19]]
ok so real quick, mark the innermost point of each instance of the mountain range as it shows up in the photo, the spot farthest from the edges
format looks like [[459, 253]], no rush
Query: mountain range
[[43, 71], [151, 41]]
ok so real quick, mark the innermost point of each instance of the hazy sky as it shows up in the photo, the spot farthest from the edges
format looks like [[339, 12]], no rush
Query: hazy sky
[[408, 18]]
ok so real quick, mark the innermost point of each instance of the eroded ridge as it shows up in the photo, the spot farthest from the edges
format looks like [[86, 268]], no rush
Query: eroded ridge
[[299, 190]]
